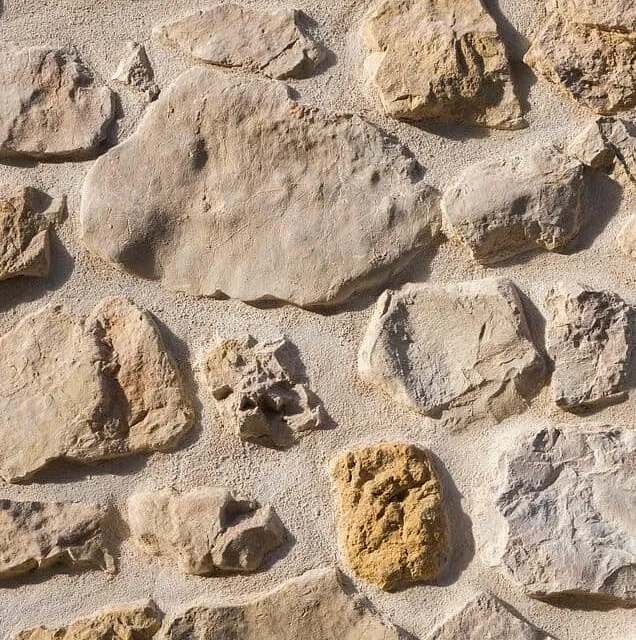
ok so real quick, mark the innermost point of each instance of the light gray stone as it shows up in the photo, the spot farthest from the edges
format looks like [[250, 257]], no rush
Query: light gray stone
[[136, 71]]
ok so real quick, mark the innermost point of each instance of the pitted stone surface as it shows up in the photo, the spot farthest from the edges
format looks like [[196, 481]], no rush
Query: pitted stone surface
[[136, 71]]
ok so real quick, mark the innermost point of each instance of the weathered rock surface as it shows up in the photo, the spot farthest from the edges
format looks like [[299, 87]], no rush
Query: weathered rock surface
[[256, 394], [208, 530], [125, 622], [588, 338], [501, 208], [588, 49], [464, 346], [314, 605], [569, 500], [271, 42], [627, 238], [35, 536], [26, 217], [51, 106], [136, 71], [487, 617], [87, 389], [441, 60], [343, 209], [391, 518]]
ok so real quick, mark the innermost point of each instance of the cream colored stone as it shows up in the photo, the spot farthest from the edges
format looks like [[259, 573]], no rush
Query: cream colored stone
[[440, 60], [627, 238], [592, 148], [207, 530], [35, 536], [392, 524], [136, 71], [344, 208], [87, 389]]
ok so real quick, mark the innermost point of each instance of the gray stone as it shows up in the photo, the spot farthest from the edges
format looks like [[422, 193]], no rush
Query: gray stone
[[136, 71]]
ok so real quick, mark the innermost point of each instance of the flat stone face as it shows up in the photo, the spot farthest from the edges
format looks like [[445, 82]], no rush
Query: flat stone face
[[344, 207], [588, 49], [501, 208], [314, 605], [26, 216], [271, 42], [569, 501], [486, 617], [392, 524], [35, 536], [208, 530], [627, 238], [256, 394], [126, 622], [136, 71], [87, 389], [588, 338], [463, 346], [51, 106], [440, 60]]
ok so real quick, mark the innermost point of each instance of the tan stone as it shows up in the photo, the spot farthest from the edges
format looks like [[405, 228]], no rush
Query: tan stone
[[87, 389], [391, 518], [627, 238], [207, 530], [136, 71], [440, 60], [36, 536]]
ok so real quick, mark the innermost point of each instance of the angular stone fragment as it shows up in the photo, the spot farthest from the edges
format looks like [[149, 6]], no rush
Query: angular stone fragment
[[487, 617], [139, 621], [136, 71], [230, 35], [391, 519], [569, 501], [441, 60], [51, 106], [501, 208], [619, 136], [588, 338], [238, 190], [26, 216], [257, 396], [208, 530], [314, 605], [627, 238], [463, 346], [35, 536], [87, 389]]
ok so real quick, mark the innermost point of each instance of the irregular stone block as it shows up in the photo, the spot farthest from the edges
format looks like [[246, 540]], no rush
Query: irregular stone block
[[569, 499], [588, 338], [391, 519], [274, 43], [51, 106], [207, 530], [35, 536], [87, 389], [501, 208], [136, 71], [463, 346], [26, 216], [139, 621], [257, 396], [487, 617], [255, 197], [627, 238], [441, 60], [314, 605]]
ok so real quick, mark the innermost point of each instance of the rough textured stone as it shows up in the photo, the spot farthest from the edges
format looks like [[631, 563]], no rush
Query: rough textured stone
[[136, 71], [257, 395], [500, 208], [345, 207], [35, 536], [487, 617], [87, 389], [568, 499], [619, 136], [314, 606], [465, 346], [271, 42], [440, 60], [588, 337], [26, 216], [627, 238], [392, 523], [588, 49], [51, 106], [124, 622], [592, 148], [208, 530]]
